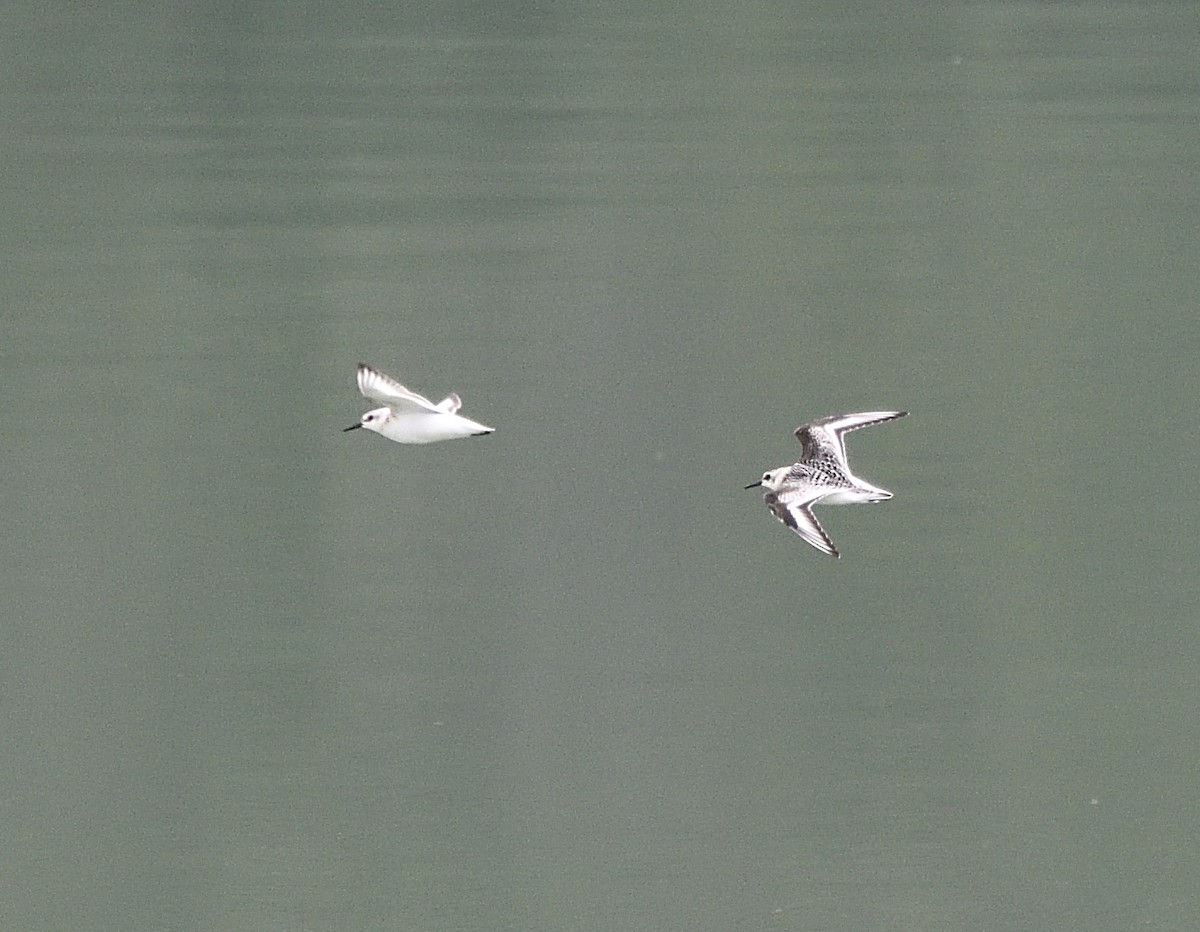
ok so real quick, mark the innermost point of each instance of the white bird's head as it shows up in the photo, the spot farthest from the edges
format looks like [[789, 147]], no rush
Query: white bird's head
[[372, 420], [772, 478]]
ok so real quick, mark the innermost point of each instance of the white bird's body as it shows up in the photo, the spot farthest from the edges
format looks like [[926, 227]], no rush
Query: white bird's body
[[407, 417], [822, 477]]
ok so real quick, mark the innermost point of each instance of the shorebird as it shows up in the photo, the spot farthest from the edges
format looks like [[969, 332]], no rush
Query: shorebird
[[407, 417], [822, 477]]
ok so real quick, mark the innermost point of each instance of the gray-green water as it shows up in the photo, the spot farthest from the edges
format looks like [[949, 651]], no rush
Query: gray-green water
[[259, 674]]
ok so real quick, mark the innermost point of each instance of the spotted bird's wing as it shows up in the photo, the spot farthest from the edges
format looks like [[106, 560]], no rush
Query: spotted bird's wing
[[387, 391], [826, 434], [795, 510]]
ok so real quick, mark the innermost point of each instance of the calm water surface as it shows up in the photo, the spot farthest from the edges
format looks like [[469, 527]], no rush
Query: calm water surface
[[258, 674]]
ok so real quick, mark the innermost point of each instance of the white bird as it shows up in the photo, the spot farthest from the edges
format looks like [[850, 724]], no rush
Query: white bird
[[822, 477], [407, 417]]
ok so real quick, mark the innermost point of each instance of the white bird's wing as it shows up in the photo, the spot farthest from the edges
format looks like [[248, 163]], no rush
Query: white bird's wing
[[387, 391], [450, 404], [795, 510], [827, 433]]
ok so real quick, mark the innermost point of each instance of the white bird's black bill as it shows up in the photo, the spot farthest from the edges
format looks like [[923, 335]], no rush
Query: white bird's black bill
[[352, 427]]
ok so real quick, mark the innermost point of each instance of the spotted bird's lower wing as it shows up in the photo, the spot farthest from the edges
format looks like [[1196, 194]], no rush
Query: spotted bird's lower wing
[[796, 513]]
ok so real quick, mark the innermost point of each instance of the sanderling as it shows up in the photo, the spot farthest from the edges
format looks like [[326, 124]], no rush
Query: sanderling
[[407, 417], [822, 477]]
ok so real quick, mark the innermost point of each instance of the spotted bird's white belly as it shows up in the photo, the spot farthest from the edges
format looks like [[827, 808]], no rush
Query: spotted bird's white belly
[[856, 496]]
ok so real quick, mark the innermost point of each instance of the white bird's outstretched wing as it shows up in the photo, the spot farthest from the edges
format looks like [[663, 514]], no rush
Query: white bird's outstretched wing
[[387, 391]]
